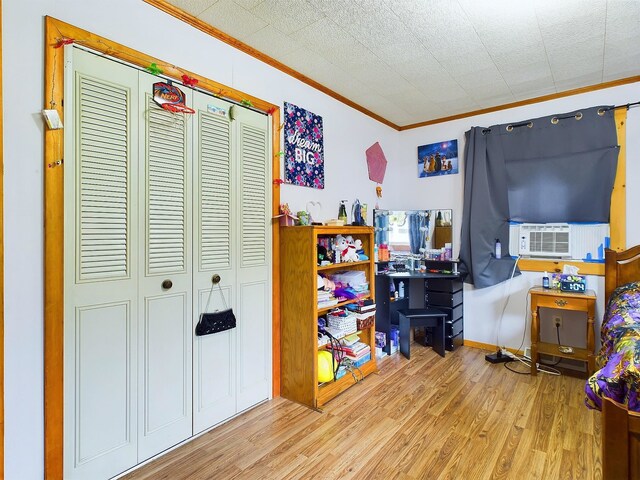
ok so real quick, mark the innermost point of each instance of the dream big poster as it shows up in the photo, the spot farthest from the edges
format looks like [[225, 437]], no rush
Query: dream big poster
[[303, 147]]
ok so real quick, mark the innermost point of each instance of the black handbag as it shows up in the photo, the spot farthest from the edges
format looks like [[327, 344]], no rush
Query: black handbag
[[217, 321]]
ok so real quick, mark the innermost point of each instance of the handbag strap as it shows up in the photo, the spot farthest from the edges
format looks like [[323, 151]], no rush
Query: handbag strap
[[224, 302]]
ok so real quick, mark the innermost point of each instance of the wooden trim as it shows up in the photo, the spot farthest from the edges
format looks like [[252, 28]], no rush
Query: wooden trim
[[176, 12], [521, 103], [556, 266], [490, 347], [275, 253], [618, 212], [1, 262], [53, 257], [54, 217]]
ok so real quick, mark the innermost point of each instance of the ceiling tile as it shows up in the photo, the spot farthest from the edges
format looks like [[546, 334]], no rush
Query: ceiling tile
[[248, 4], [288, 16], [272, 41], [466, 63], [233, 19], [194, 7], [526, 88]]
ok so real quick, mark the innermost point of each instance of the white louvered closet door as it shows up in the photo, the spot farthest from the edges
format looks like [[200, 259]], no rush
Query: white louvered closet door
[[165, 291], [253, 259], [215, 174], [100, 269]]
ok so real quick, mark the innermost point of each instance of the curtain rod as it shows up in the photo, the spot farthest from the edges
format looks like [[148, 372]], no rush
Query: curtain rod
[[555, 120]]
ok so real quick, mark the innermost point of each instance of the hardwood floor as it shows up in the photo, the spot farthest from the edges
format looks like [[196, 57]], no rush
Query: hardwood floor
[[457, 417]]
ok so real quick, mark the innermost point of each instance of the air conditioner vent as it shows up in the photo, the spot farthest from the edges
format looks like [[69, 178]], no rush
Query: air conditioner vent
[[545, 240]]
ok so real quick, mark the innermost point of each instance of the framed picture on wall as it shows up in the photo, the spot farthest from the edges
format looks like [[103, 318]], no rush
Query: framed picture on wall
[[438, 159]]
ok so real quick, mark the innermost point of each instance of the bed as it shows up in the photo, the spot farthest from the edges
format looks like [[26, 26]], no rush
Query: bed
[[615, 387]]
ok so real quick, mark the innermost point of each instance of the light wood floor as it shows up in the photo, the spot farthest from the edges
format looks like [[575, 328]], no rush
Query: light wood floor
[[457, 417]]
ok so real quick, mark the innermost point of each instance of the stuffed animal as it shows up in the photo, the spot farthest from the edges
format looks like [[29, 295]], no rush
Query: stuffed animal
[[349, 251], [360, 251]]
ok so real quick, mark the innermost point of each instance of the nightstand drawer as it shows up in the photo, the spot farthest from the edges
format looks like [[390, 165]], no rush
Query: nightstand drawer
[[434, 299], [564, 303]]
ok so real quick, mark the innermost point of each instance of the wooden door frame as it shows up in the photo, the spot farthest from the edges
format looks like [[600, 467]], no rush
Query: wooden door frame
[[1, 262], [57, 33]]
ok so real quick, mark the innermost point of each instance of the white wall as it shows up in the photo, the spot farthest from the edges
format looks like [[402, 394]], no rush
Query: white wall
[[482, 308], [146, 29]]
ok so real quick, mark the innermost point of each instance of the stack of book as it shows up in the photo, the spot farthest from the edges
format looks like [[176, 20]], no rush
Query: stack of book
[[326, 299], [355, 351]]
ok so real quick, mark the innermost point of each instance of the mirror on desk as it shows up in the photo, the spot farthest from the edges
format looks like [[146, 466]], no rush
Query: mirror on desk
[[416, 232]]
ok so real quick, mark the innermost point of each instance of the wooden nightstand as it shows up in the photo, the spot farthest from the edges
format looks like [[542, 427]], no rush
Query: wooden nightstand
[[583, 302]]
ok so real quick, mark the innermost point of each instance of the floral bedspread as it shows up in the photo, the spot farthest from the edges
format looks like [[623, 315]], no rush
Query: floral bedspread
[[619, 356]]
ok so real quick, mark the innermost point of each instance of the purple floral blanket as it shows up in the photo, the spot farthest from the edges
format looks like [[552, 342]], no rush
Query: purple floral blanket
[[619, 356]]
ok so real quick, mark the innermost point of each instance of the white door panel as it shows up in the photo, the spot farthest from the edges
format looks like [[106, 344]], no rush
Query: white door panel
[[214, 366], [100, 335], [103, 365], [254, 265], [165, 284], [254, 371]]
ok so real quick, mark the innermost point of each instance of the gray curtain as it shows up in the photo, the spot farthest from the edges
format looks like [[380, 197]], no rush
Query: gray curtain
[[559, 168]]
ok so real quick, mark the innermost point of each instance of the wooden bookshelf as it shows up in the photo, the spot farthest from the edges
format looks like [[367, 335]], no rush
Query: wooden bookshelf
[[300, 312]]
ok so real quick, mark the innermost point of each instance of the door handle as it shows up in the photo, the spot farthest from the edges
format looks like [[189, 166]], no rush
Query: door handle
[[215, 279], [167, 284]]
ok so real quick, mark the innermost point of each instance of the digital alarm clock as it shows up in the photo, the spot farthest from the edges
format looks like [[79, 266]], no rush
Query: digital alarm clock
[[573, 283]]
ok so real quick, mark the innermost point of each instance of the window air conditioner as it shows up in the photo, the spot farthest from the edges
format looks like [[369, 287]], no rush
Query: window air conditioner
[[545, 240]]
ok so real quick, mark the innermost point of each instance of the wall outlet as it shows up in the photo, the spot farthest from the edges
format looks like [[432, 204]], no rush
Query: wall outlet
[[527, 352], [557, 321]]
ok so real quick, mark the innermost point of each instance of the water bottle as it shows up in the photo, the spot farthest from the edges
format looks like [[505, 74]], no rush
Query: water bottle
[[498, 252], [401, 289]]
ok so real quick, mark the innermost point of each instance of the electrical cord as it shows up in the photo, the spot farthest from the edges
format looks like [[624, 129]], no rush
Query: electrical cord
[[506, 302]]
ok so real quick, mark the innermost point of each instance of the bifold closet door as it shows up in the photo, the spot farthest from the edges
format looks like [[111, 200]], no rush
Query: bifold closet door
[[215, 176], [164, 313], [100, 267], [254, 257]]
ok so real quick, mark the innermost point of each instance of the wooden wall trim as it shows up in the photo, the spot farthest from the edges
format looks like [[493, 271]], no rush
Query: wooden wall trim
[[180, 14], [55, 30], [530, 101], [618, 212], [1, 262]]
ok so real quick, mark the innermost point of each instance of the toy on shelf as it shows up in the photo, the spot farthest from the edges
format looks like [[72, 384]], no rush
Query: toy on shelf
[[346, 249], [287, 218]]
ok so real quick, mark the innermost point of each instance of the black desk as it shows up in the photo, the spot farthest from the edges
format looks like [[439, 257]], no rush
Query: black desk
[[439, 290]]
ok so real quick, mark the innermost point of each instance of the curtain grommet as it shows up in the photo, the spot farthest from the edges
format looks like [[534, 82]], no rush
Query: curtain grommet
[[601, 111], [555, 120], [509, 128], [530, 125], [579, 116]]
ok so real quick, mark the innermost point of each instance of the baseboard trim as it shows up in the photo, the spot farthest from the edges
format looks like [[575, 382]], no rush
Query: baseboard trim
[[489, 347]]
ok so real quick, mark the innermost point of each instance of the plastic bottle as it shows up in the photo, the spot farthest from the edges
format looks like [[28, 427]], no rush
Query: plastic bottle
[[447, 250], [545, 280], [498, 252], [342, 211], [401, 289], [375, 253]]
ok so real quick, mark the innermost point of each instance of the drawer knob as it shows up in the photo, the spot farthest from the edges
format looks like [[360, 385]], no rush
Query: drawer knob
[[560, 302]]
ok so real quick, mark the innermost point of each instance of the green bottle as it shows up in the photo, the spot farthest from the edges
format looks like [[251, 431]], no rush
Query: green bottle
[[342, 211]]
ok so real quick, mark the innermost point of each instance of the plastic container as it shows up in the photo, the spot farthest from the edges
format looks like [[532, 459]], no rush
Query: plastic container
[[545, 280], [498, 251], [447, 251], [401, 289], [375, 253]]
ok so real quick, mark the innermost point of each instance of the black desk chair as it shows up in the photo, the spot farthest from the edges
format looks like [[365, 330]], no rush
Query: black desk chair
[[422, 317]]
